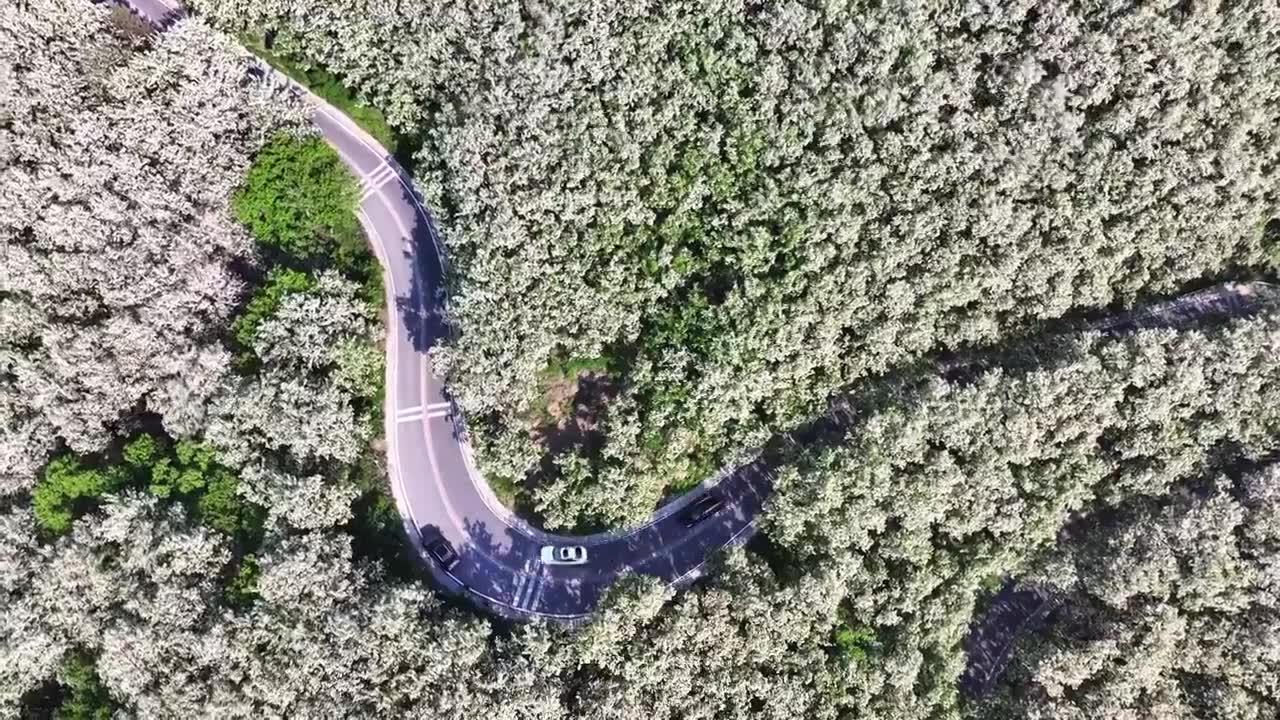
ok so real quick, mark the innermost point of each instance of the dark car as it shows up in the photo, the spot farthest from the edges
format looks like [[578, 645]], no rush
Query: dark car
[[440, 550], [701, 509]]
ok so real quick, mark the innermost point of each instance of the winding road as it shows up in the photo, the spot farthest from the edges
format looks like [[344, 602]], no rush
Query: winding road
[[436, 485], [433, 477]]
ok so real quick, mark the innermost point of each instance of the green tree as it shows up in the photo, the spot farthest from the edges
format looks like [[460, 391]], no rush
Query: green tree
[[190, 471], [242, 588], [84, 696], [299, 199], [69, 488], [187, 471], [281, 282]]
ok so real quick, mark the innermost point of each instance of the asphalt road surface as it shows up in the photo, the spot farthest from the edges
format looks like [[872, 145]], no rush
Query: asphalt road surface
[[160, 13]]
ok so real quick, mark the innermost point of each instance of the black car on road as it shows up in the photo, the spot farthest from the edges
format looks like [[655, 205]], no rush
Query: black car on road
[[702, 508], [439, 549]]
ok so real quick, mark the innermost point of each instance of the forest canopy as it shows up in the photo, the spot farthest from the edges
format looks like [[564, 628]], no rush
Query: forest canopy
[[712, 221], [743, 207]]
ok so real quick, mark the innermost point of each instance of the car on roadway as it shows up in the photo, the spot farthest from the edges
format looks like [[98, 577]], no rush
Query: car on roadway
[[564, 555], [440, 550], [702, 508]]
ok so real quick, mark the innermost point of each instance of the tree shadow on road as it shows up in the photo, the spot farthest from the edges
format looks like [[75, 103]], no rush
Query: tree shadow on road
[[422, 309]]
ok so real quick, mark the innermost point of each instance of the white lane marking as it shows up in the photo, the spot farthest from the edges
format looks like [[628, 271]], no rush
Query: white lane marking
[[374, 181], [369, 178], [408, 418], [521, 581], [438, 414], [415, 410], [522, 601], [393, 454], [362, 137], [438, 405], [537, 597]]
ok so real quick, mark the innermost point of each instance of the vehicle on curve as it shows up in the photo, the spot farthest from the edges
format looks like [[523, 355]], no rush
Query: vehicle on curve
[[440, 549], [702, 508], [564, 555]]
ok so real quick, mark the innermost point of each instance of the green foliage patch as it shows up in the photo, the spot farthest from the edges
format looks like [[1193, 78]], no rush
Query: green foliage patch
[[298, 199], [185, 471], [280, 283], [854, 643], [84, 696], [242, 588], [69, 488], [189, 471]]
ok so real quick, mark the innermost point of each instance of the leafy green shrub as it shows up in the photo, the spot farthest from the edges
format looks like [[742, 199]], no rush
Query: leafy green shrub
[[68, 488], [187, 471], [242, 588], [854, 643], [298, 198], [281, 282], [84, 696]]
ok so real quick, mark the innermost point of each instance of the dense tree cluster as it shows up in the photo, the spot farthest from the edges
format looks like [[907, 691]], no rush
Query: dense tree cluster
[[129, 284], [878, 542], [189, 472], [111, 164], [947, 484], [127, 272], [191, 517], [746, 205], [1170, 609]]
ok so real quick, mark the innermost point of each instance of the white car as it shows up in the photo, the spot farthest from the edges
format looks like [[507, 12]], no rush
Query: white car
[[564, 555]]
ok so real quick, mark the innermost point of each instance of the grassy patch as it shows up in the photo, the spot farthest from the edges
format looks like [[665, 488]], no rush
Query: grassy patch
[[554, 394], [329, 87], [505, 488]]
